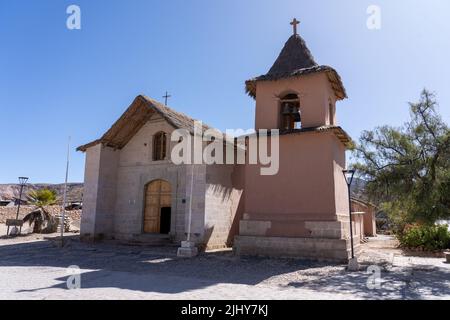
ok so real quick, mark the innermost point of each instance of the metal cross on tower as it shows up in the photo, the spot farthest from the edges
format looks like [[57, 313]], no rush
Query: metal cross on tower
[[294, 24]]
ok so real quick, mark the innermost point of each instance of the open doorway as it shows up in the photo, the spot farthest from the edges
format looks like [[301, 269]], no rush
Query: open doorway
[[165, 220], [157, 208]]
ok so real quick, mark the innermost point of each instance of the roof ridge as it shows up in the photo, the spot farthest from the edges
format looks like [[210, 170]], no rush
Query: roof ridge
[[164, 110]]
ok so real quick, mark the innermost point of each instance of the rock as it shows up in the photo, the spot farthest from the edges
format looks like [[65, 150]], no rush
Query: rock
[[187, 250], [67, 223], [14, 231]]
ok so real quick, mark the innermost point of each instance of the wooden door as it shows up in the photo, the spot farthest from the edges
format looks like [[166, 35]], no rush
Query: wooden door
[[157, 196]]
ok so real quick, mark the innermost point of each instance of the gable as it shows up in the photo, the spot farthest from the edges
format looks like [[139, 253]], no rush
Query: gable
[[135, 117], [139, 150]]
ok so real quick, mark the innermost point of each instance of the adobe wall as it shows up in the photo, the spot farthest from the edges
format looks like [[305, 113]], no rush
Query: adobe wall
[[370, 228], [340, 185], [314, 92], [305, 180]]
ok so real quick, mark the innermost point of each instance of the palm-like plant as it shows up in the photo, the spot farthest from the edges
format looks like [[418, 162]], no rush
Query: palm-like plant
[[43, 221]]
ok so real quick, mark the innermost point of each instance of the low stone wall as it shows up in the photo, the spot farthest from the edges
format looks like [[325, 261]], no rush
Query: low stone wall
[[10, 212], [337, 250]]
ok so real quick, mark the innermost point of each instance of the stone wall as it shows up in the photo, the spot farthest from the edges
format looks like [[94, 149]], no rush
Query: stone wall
[[119, 208], [136, 169], [10, 212], [310, 248], [99, 193]]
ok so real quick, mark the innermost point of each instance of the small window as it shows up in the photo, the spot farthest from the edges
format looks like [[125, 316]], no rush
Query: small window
[[159, 146], [331, 113], [290, 112]]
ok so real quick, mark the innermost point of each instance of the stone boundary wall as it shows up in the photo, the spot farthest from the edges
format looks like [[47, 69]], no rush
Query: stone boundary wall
[[308, 248], [10, 212]]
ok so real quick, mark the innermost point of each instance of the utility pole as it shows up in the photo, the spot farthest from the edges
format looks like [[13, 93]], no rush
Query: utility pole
[[63, 213]]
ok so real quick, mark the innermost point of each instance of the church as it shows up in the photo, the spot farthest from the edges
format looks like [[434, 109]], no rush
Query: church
[[135, 192]]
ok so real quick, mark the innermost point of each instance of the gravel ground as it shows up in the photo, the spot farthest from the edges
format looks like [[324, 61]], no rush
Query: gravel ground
[[36, 268]]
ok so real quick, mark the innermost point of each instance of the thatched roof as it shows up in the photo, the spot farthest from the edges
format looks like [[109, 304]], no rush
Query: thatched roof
[[337, 130], [134, 118], [296, 60], [295, 55]]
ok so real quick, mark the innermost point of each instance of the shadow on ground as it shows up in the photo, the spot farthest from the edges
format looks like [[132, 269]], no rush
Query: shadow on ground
[[157, 269], [120, 266]]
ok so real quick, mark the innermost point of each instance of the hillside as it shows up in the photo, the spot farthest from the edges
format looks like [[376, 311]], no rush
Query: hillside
[[10, 191], [75, 190]]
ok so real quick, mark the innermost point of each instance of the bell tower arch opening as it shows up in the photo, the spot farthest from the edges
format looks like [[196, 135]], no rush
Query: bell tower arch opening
[[290, 116]]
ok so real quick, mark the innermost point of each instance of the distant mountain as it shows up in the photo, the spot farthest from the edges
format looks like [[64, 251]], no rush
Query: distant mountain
[[358, 189], [11, 191], [75, 190]]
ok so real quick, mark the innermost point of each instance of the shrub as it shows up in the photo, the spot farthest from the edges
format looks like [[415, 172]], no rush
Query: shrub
[[43, 221], [429, 237], [42, 197]]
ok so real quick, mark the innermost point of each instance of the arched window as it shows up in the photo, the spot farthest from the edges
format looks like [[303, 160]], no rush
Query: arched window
[[290, 112], [159, 146]]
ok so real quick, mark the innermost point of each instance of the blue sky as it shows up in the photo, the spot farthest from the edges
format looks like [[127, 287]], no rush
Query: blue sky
[[56, 82]]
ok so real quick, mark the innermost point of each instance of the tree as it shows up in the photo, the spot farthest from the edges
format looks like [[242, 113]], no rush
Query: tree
[[43, 221], [407, 169], [42, 197]]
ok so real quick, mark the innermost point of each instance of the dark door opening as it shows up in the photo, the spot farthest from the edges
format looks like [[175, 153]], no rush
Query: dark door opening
[[166, 213]]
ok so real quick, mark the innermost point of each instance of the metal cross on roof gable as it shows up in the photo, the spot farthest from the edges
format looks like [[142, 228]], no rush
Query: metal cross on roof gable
[[166, 96], [294, 24]]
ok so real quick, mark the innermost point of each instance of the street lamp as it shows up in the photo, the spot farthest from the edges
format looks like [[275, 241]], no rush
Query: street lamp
[[22, 182], [348, 174]]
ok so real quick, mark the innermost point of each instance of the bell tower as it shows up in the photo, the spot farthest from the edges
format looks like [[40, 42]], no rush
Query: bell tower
[[301, 210], [296, 92]]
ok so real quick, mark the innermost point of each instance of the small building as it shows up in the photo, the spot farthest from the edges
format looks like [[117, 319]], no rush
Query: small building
[[14, 202], [5, 203], [364, 216]]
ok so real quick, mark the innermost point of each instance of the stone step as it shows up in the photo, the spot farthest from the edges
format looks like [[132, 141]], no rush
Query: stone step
[[152, 240], [309, 248]]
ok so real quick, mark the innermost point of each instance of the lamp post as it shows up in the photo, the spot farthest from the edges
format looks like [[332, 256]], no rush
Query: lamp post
[[22, 181], [348, 174]]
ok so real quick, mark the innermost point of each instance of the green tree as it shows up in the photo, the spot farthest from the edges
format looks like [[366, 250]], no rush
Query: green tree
[[407, 169]]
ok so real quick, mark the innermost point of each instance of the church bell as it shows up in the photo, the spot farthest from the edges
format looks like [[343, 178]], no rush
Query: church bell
[[290, 109]]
